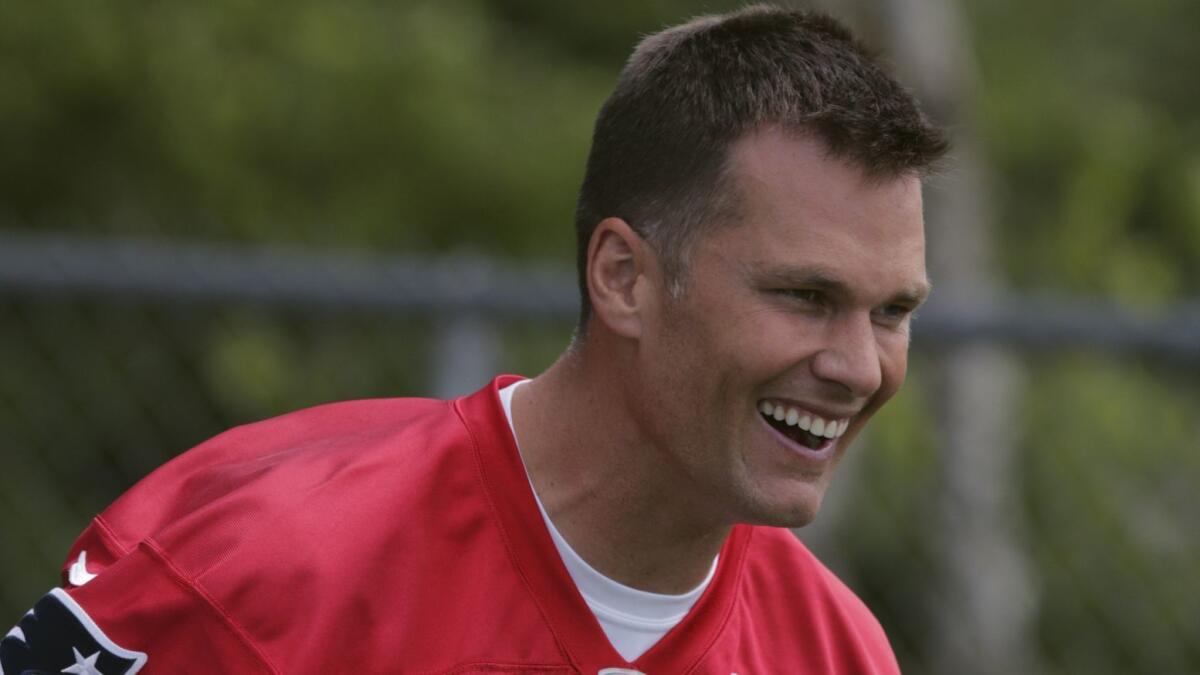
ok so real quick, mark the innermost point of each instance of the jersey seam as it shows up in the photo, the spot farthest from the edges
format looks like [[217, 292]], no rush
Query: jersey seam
[[189, 584], [733, 603], [487, 494], [110, 536]]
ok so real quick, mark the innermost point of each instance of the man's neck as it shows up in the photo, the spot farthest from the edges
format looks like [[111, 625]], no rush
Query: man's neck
[[612, 495]]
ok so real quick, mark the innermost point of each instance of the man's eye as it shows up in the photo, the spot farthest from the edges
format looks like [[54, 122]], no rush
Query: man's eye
[[803, 294], [895, 313]]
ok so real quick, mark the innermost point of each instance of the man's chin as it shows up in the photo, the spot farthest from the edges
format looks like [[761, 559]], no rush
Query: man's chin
[[792, 521], [793, 514]]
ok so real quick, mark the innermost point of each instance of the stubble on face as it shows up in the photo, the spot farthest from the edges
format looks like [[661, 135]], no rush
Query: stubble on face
[[731, 339]]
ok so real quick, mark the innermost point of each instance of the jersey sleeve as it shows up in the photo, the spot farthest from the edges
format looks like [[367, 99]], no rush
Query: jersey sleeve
[[124, 613]]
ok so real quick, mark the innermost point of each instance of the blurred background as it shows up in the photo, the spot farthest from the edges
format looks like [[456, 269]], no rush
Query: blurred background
[[212, 213]]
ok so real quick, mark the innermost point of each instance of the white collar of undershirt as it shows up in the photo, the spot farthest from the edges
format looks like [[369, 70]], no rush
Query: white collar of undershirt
[[629, 607]]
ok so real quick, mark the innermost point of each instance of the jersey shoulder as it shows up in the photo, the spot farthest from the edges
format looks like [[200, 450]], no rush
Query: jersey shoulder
[[348, 533], [780, 554], [258, 476], [784, 584]]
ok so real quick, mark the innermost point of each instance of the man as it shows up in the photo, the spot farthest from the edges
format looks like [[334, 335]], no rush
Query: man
[[750, 254]]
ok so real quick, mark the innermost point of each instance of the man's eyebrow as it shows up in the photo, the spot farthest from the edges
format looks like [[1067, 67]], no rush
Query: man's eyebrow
[[814, 277], [824, 279]]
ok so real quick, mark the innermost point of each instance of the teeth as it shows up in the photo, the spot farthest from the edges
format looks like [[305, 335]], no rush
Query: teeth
[[818, 427], [794, 417]]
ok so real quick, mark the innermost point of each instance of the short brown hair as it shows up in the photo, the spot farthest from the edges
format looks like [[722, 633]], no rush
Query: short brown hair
[[687, 93]]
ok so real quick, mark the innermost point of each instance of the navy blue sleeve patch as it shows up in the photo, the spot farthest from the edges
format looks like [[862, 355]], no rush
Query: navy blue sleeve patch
[[58, 636]]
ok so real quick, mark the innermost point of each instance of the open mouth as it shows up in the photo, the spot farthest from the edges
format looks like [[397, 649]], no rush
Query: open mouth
[[811, 431]]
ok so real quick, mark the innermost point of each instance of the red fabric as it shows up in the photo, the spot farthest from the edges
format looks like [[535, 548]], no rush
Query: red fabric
[[401, 536]]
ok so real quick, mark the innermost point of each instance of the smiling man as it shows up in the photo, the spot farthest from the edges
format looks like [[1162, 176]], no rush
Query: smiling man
[[750, 253]]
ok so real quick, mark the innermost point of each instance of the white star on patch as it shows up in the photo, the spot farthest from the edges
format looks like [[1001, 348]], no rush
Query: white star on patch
[[83, 666]]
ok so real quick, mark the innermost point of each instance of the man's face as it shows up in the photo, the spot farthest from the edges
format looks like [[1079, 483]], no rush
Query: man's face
[[795, 317]]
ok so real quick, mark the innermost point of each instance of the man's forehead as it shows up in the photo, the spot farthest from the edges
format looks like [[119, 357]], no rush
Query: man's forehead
[[771, 161]]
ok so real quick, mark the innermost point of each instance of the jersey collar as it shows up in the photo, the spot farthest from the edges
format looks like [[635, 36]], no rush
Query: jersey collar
[[542, 571]]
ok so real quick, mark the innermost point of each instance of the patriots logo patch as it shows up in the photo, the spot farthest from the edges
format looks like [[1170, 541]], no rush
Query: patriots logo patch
[[58, 636]]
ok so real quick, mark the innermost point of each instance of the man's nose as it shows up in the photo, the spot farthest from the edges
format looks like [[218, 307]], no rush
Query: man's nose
[[850, 356]]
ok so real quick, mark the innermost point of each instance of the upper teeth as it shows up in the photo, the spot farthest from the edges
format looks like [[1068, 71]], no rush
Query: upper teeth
[[795, 417]]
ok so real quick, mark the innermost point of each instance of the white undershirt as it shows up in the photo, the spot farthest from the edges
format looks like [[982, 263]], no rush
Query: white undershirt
[[633, 620]]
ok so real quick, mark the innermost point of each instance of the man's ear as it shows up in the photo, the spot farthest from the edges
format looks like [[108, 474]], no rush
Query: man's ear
[[619, 267]]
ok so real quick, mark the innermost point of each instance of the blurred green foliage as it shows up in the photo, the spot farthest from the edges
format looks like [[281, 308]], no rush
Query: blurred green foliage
[[1089, 113], [434, 126], [1110, 483], [384, 125]]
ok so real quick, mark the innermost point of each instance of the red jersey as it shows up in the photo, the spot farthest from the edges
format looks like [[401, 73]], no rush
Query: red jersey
[[397, 536]]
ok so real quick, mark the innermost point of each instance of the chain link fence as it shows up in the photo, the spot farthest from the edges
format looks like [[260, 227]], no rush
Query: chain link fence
[[116, 355]]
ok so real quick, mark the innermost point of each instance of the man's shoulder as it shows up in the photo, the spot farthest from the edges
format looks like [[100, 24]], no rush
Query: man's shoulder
[[319, 523], [301, 482], [786, 583], [778, 554], [311, 431]]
